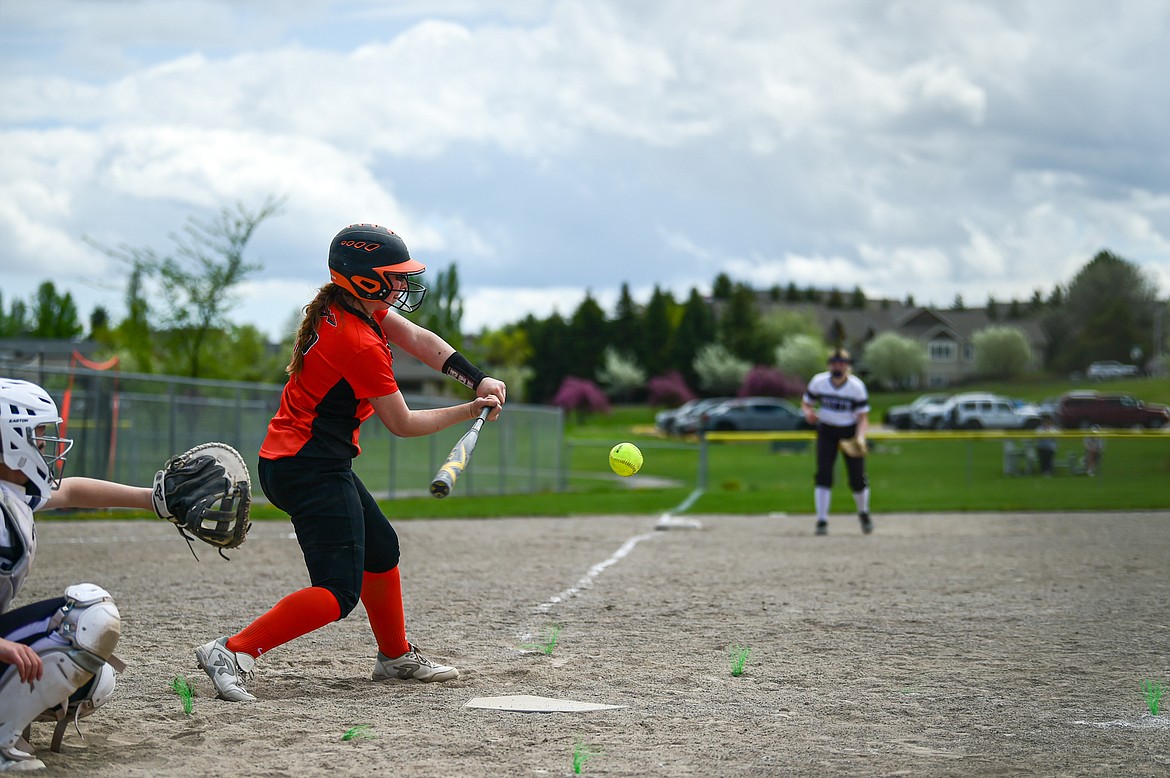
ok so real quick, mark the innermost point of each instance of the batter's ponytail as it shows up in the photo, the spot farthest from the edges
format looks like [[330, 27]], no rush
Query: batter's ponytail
[[328, 295]]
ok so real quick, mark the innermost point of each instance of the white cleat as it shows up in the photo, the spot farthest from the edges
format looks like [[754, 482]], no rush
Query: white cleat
[[412, 666], [227, 670]]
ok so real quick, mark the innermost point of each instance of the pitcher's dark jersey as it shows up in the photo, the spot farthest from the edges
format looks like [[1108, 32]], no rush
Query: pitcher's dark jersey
[[323, 406]]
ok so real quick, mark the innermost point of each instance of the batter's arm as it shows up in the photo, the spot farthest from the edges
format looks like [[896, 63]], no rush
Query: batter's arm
[[404, 422], [433, 351]]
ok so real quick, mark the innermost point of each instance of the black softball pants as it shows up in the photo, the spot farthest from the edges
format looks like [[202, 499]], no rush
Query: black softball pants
[[341, 530], [828, 437]]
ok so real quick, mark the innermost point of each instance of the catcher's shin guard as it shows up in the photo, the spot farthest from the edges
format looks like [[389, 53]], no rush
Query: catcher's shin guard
[[22, 703], [78, 653]]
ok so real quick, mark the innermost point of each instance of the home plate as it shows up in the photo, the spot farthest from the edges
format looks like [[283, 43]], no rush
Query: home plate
[[526, 703]]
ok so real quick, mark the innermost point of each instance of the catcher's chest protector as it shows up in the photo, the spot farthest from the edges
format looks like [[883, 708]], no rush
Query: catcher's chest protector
[[18, 543]]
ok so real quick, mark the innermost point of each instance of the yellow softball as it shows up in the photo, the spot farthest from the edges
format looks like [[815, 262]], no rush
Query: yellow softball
[[625, 459]]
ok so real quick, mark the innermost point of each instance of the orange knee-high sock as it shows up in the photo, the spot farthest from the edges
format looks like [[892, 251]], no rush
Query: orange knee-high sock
[[382, 596], [297, 614]]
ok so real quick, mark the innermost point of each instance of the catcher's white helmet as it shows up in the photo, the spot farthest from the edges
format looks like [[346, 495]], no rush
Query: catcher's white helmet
[[28, 434]]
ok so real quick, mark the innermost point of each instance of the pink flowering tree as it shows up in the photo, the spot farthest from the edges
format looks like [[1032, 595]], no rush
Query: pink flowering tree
[[669, 390], [763, 381], [580, 396]]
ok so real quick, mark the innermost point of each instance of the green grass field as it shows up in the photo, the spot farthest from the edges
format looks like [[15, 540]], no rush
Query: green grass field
[[927, 474]]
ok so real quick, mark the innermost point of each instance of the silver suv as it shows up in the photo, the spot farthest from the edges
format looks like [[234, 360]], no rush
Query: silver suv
[[981, 410]]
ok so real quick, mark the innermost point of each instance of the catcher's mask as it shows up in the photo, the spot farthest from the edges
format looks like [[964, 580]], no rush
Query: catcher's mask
[[28, 434], [372, 263]]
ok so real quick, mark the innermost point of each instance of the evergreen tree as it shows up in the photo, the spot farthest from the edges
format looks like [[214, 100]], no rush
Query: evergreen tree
[[589, 334], [696, 328], [739, 328], [626, 318], [99, 326], [657, 333], [722, 288], [1036, 304], [553, 355]]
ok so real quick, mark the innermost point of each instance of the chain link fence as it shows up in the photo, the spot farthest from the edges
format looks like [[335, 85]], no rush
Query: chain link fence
[[126, 425]]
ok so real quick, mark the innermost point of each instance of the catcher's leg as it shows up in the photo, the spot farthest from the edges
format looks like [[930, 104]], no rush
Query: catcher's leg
[[74, 644]]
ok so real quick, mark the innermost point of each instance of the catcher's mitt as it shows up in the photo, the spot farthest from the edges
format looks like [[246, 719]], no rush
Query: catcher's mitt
[[853, 447], [206, 492]]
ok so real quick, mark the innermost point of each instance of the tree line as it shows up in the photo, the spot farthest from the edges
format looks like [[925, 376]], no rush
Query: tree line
[[664, 350]]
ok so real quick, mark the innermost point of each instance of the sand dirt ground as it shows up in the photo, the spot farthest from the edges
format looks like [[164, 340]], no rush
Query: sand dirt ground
[[940, 645]]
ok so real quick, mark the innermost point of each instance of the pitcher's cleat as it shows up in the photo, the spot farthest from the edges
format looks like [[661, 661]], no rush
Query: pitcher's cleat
[[866, 523], [822, 528], [227, 670], [412, 666]]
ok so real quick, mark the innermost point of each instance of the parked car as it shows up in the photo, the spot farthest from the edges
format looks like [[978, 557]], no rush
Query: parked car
[[982, 410], [1081, 410], [931, 415], [687, 423], [754, 413], [665, 420], [1110, 368], [902, 416], [1047, 407]]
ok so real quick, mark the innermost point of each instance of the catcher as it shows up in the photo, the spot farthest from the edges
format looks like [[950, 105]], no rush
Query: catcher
[[56, 655], [837, 404]]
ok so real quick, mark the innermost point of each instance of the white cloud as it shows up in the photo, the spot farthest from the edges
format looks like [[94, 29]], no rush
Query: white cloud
[[925, 149]]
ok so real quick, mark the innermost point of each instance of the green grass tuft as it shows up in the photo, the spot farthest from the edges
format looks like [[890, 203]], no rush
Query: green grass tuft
[[549, 643], [358, 732], [186, 691], [1153, 691], [582, 753], [739, 657]]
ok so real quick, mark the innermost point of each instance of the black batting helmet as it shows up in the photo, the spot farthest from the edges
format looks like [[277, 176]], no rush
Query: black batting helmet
[[364, 257]]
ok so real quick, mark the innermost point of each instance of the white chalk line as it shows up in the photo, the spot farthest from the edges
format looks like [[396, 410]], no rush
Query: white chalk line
[[587, 580], [665, 521], [1146, 722]]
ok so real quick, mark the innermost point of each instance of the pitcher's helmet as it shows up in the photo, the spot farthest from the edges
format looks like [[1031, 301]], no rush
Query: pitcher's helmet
[[28, 433], [364, 257]]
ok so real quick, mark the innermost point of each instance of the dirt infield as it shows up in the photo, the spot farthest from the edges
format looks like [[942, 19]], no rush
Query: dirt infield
[[939, 645]]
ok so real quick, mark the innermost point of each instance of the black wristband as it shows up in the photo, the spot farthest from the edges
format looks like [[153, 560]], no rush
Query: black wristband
[[463, 371]]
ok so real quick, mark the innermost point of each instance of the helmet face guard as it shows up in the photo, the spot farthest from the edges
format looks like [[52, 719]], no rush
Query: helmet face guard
[[372, 263], [28, 433]]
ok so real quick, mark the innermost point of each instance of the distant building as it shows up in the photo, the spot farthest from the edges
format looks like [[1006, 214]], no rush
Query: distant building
[[946, 334]]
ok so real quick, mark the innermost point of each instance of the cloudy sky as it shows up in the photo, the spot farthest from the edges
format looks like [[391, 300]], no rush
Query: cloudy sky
[[546, 147]]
